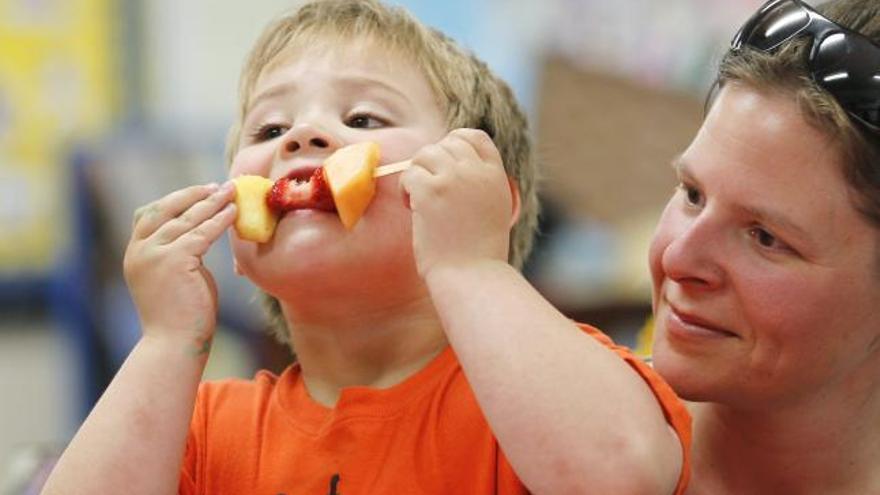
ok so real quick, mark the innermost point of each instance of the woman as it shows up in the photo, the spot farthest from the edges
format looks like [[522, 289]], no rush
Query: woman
[[766, 261]]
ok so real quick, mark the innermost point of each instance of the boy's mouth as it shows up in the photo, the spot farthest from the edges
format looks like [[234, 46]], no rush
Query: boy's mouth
[[301, 189]]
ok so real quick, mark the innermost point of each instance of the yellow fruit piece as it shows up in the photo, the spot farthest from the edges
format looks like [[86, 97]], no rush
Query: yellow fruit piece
[[349, 173], [255, 221]]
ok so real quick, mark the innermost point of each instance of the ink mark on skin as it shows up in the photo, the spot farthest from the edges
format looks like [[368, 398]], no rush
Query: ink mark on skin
[[202, 343], [334, 485], [206, 346], [203, 346]]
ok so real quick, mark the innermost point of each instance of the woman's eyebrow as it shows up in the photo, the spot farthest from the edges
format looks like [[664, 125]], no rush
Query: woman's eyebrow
[[772, 218]]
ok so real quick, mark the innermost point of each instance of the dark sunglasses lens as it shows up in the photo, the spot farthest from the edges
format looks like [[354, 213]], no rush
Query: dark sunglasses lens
[[773, 25], [848, 67]]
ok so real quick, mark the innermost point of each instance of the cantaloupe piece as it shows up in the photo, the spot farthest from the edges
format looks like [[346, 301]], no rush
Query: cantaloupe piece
[[255, 221], [349, 173]]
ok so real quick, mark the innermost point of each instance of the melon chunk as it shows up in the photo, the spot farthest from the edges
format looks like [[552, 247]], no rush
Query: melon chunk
[[349, 173], [255, 221]]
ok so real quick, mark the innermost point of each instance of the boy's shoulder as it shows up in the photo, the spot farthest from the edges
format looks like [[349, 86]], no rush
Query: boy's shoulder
[[231, 394], [262, 378]]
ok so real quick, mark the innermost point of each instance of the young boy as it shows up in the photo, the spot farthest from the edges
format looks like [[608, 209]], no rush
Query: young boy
[[377, 401]]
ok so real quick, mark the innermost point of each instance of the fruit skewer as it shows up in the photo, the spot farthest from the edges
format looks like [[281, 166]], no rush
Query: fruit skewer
[[346, 184]]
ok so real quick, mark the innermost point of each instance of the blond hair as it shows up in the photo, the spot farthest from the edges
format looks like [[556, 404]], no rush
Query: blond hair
[[465, 89]]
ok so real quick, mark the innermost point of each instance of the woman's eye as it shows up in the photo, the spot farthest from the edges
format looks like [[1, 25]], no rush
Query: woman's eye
[[364, 121], [269, 132], [763, 237], [767, 240]]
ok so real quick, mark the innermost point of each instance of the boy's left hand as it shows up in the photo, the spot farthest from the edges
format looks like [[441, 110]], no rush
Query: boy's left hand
[[461, 201]]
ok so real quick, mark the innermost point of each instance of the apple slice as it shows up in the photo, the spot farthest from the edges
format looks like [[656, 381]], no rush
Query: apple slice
[[255, 221], [349, 173]]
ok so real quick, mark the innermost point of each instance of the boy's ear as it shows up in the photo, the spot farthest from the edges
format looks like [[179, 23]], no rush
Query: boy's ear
[[515, 200]]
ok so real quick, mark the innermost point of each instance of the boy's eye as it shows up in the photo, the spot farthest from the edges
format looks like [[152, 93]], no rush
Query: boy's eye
[[364, 121], [692, 195], [268, 132]]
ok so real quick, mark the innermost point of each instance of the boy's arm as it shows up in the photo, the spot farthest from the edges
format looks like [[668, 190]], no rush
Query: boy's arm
[[133, 440], [571, 416]]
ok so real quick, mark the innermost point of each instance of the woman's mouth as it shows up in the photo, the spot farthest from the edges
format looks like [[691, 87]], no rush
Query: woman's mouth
[[684, 323]]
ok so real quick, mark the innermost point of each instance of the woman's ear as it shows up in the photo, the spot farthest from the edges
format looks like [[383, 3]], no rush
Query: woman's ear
[[515, 200]]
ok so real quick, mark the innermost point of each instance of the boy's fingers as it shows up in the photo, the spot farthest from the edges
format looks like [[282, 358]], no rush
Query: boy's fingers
[[195, 215], [431, 157], [197, 241], [412, 182], [462, 149], [481, 142], [149, 218]]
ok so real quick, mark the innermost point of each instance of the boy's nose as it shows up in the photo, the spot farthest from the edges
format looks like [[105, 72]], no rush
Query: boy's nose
[[293, 146], [303, 138]]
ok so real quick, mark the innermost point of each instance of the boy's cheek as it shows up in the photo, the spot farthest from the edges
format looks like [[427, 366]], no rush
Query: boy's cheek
[[241, 252], [388, 190], [406, 142], [253, 160], [234, 245]]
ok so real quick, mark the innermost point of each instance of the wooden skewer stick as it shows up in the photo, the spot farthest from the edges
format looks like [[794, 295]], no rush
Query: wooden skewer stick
[[391, 168]]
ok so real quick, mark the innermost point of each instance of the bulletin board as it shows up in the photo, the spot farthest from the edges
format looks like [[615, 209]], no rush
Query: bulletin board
[[57, 85], [606, 145]]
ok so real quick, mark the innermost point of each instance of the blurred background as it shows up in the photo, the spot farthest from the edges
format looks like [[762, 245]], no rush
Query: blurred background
[[106, 105]]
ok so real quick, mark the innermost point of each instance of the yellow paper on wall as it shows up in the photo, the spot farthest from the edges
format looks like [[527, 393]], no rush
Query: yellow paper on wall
[[57, 84]]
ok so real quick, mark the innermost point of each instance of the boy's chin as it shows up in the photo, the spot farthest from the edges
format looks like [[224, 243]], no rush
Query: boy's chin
[[298, 222], [339, 283], [320, 263]]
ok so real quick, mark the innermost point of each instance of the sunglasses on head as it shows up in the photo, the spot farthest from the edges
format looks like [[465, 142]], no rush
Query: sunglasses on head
[[842, 61]]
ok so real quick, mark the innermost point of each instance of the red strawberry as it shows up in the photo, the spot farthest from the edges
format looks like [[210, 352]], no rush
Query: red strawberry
[[291, 194]]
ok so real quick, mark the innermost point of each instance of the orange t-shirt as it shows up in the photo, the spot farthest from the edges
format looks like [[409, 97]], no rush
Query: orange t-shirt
[[425, 435]]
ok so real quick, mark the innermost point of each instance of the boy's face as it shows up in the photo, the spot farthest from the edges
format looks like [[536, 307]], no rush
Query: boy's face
[[304, 108]]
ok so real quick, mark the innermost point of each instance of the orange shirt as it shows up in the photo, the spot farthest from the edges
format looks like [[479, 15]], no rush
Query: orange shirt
[[425, 435]]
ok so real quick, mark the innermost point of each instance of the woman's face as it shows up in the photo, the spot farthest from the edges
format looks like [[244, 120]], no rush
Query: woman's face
[[766, 283]]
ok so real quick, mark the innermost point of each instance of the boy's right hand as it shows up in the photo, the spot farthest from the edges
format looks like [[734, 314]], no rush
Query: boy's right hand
[[175, 294]]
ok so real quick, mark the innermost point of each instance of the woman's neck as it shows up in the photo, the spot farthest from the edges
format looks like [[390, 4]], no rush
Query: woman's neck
[[374, 346], [825, 448]]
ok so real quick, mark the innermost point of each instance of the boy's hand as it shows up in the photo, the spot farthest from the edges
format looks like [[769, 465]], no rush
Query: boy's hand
[[175, 294], [461, 201]]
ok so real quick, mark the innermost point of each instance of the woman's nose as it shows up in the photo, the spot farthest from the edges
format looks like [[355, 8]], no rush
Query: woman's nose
[[303, 138], [693, 254]]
